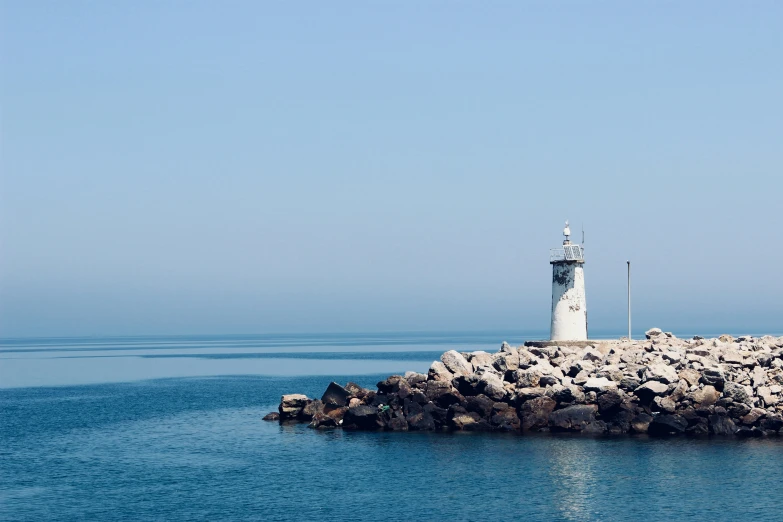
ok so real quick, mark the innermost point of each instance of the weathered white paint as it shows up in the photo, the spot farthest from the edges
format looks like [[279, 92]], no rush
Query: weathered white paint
[[569, 306]]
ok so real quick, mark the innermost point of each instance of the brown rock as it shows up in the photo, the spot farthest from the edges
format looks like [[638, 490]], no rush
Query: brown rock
[[535, 413]]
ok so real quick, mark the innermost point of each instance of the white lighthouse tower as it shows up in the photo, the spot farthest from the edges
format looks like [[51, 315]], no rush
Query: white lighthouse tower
[[569, 307]]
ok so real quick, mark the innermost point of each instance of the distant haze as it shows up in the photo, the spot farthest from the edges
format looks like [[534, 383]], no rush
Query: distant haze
[[250, 167]]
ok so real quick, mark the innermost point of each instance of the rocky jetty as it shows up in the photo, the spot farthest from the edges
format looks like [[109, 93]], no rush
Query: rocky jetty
[[660, 386]]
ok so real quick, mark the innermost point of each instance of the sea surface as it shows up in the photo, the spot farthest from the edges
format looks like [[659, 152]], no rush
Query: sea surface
[[169, 428]]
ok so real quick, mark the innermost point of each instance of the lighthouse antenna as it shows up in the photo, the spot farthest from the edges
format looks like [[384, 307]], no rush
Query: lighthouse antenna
[[583, 235]]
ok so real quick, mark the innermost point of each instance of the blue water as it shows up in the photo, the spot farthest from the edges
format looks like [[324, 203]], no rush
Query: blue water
[[118, 446]]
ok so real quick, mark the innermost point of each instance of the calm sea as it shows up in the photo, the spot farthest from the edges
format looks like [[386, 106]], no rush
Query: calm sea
[[169, 428]]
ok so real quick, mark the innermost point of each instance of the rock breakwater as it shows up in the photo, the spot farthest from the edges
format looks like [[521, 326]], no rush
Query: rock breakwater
[[661, 386]]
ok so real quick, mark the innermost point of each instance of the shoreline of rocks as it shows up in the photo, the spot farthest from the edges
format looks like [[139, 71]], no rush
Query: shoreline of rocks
[[659, 386]]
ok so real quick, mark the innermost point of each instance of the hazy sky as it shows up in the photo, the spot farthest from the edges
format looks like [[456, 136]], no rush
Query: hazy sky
[[243, 167]]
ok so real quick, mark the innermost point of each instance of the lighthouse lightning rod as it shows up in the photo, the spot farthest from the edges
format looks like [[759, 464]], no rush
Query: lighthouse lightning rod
[[629, 300]]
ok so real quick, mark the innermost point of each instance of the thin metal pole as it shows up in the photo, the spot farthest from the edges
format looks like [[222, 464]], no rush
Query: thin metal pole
[[629, 300]]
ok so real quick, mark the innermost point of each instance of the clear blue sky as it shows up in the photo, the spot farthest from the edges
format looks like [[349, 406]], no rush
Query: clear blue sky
[[242, 167]]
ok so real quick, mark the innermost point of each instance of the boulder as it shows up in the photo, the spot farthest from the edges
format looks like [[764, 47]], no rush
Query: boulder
[[356, 391], [463, 421], [653, 332], [753, 416], [467, 385], [704, 396], [732, 357], [722, 425], [660, 372], [529, 378], [415, 379], [672, 357], [271, 416], [478, 359], [737, 393], [456, 363], [535, 413], [665, 404], [649, 390], [765, 393], [667, 424], [690, 376], [600, 385], [609, 401], [392, 384], [525, 394], [322, 421], [491, 386], [439, 372], [506, 361], [773, 423], [361, 418], [573, 418], [591, 354], [291, 406], [569, 395], [505, 420], [714, 377], [397, 422], [335, 396], [630, 382], [480, 404], [421, 421], [438, 414], [641, 423], [311, 409], [442, 394]]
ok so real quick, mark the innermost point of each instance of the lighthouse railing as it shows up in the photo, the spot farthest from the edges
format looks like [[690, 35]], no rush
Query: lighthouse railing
[[566, 253]]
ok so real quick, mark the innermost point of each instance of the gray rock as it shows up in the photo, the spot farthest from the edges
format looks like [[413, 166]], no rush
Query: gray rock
[[599, 384], [291, 406], [335, 395], [322, 421], [456, 363], [569, 395], [649, 390], [732, 357], [667, 424], [653, 332], [665, 404], [713, 376], [641, 423], [591, 354], [528, 378], [765, 393], [706, 396], [737, 393], [478, 359], [491, 386], [439, 372], [752, 416], [722, 425], [660, 372], [690, 376], [361, 418], [464, 421], [525, 394], [535, 413], [672, 357], [506, 362], [573, 418]]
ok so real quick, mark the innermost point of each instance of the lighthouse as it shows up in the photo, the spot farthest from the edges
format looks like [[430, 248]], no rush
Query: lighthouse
[[569, 307]]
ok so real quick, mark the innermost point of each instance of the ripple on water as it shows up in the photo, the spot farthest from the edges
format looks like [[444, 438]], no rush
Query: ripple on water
[[181, 449]]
